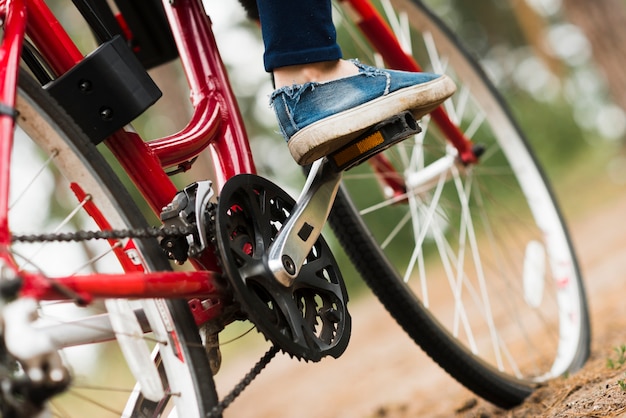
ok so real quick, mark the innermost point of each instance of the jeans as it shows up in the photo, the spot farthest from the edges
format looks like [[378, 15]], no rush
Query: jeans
[[297, 32]]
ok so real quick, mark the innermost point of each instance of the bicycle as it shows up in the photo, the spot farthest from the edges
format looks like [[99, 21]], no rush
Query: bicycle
[[465, 191]]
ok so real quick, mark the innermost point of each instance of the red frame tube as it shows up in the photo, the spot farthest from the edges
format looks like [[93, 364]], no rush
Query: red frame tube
[[94, 212], [10, 49], [124, 285], [208, 83]]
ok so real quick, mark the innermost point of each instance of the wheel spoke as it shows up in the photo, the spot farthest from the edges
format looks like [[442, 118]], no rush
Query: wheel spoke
[[37, 175]]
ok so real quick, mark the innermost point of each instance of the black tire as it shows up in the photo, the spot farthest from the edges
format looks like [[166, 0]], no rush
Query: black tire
[[78, 161], [483, 221]]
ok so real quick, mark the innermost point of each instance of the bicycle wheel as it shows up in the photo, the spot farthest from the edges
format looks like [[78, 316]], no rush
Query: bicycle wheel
[[52, 159], [474, 262]]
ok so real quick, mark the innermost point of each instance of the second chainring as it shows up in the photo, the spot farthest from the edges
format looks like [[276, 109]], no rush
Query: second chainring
[[309, 319]]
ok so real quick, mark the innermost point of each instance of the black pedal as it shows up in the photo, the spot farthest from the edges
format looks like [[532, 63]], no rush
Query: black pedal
[[376, 139]]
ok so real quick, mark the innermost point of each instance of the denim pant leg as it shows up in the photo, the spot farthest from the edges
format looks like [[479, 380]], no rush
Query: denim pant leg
[[297, 32]]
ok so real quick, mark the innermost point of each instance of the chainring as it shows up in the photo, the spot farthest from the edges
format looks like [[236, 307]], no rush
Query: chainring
[[309, 319]]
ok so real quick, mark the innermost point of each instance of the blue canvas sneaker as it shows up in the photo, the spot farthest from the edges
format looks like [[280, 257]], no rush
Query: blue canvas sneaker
[[317, 119]]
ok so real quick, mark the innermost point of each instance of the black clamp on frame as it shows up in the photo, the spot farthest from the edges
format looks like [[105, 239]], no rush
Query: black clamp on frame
[[106, 90], [6, 110]]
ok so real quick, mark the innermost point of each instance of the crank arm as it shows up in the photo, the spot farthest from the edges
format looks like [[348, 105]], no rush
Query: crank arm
[[304, 225]]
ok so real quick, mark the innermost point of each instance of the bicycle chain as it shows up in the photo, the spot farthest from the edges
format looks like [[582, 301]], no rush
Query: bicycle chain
[[218, 409], [149, 232], [155, 232]]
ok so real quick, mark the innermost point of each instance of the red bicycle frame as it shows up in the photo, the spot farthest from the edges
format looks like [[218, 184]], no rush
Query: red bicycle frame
[[216, 123]]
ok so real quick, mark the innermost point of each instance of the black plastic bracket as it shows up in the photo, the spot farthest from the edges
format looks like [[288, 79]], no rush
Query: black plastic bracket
[[106, 90]]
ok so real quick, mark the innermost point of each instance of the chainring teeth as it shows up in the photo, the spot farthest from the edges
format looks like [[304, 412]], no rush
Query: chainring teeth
[[309, 320]]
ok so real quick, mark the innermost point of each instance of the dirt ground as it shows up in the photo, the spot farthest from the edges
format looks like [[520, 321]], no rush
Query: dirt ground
[[383, 374]]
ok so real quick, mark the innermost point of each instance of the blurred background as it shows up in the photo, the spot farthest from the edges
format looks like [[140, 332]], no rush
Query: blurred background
[[559, 65]]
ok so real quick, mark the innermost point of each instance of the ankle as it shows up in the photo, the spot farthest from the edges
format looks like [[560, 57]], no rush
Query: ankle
[[315, 72]]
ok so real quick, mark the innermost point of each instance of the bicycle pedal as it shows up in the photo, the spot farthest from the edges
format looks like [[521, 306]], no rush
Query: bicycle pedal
[[376, 139]]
